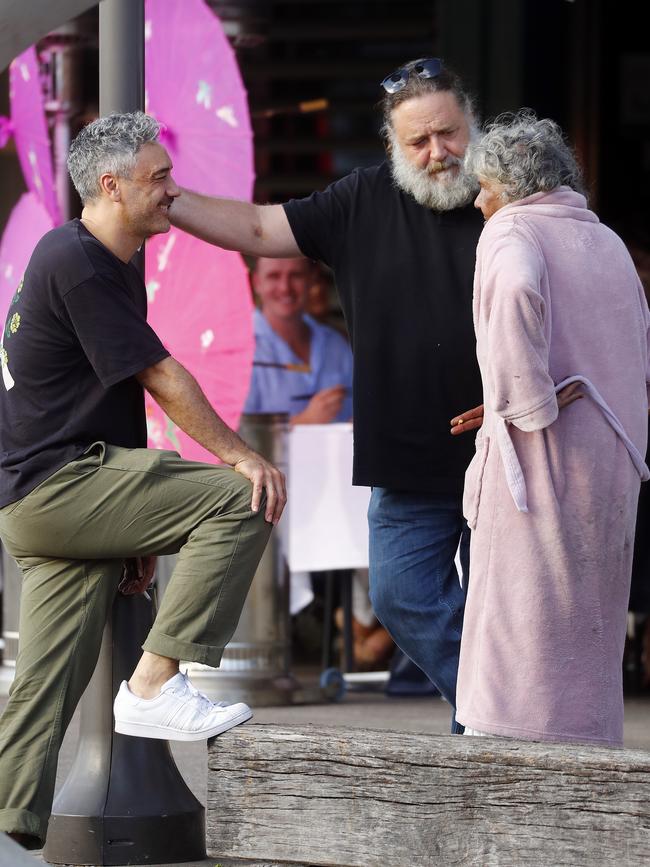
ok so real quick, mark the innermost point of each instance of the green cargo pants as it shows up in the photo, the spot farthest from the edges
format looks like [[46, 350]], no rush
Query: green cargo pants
[[69, 537]]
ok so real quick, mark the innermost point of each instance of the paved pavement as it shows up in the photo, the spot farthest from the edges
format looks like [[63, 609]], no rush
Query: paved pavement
[[359, 709]]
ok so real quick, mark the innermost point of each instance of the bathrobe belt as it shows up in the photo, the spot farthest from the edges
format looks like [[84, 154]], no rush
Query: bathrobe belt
[[513, 471]]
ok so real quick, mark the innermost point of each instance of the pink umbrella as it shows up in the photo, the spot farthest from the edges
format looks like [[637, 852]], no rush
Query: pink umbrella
[[194, 88], [6, 129], [200, 305], [199, 297], [30, 130], [27, 224]]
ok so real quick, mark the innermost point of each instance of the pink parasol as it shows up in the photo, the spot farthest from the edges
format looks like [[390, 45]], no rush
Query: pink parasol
[[29, 128], [27, 224], [6, 129], [200, 306], [193, 87], [199, 296]]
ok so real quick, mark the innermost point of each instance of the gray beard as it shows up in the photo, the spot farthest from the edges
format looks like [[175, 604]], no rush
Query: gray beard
[[438, 193]]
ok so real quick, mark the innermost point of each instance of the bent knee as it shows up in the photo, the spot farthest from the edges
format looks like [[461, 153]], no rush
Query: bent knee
[[243, 490]]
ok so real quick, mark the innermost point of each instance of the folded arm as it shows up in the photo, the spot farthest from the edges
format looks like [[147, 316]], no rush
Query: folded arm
[[514, 319], [515, 323]]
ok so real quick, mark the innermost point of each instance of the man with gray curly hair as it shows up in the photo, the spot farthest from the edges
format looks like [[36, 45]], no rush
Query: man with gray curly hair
[[110, 144], [85, 506], [401, 239], [560, 314]]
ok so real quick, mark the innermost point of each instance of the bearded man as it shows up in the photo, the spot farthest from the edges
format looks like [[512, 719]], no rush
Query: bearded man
[[401, 239]]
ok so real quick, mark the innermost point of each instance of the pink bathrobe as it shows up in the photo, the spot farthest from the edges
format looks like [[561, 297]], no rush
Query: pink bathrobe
[[555, 295]]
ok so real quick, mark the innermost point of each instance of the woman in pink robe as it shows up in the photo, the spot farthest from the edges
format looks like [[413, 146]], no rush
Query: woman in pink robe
[[551, 494]]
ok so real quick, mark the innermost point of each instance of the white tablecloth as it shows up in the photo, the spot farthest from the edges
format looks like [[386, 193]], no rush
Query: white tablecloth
[[327, 526]]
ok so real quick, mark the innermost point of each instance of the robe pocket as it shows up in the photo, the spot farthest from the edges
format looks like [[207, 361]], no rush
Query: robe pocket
[[474, 481]]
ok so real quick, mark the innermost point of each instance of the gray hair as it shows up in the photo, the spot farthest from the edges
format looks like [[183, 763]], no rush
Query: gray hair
[[525, 155], [446, 80], [108, 144]]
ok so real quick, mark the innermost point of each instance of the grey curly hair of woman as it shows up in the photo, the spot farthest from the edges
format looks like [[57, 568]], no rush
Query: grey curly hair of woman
[[525, 155], [108, 144]]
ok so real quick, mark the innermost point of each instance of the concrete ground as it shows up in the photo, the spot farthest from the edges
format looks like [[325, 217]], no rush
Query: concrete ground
[[368, 709]]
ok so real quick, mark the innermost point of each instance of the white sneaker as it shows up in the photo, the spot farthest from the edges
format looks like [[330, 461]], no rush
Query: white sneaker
[[179, 713]]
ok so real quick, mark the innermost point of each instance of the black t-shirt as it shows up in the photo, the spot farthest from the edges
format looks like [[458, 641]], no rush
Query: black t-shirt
[[405, 275], [75, 335]]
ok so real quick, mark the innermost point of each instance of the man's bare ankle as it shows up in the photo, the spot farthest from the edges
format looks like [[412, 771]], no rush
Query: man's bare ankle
[[148, 687], [143, 689], [150, 674]]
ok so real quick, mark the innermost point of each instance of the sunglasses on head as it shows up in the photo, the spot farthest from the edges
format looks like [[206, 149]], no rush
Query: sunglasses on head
[[427, 68]]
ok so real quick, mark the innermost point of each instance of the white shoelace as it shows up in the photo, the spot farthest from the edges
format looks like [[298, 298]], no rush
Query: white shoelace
[[205, 703]]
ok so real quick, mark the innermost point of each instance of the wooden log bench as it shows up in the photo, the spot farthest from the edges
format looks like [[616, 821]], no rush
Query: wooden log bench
[[309, 795]]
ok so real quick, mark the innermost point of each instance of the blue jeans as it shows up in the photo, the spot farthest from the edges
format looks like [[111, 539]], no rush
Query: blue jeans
[[414, 586]]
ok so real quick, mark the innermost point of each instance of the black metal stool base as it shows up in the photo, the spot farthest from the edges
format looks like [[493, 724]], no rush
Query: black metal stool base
[[116, 840], [124, 800]]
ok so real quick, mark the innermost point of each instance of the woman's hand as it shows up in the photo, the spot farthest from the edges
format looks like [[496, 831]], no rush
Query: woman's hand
[[569, 394], [469, 420], [473, 418]]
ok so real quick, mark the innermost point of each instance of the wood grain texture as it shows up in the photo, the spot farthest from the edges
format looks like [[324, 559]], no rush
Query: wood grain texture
[[358, 798]]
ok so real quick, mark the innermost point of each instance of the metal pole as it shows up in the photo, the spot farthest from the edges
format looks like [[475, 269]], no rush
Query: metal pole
[[121, 62], [121, 56], [62, 132], [124, 800], [63, 50]]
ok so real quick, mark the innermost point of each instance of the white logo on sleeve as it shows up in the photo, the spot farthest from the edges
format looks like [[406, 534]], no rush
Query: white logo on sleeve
[[7, 378], [11, 328]]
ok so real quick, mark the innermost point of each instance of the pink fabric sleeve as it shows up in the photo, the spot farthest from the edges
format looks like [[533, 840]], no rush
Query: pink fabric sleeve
[[645, 313], [647, 374], [523, 392]]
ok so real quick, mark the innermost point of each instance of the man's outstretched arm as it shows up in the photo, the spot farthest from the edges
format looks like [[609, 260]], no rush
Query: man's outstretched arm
[[257, 230], [179, 395]]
